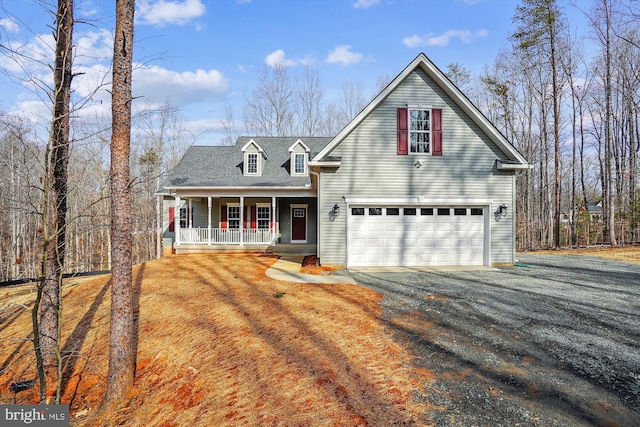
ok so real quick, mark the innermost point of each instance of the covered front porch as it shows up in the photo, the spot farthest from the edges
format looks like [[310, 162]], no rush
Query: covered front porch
[[251, 222]]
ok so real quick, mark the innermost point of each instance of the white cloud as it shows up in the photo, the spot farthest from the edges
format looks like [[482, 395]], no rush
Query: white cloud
[[343, 55], [465, 36], [156, 84], [93, 47], [163, 12], [33, 57], [364, 4], [9, 26], [277, 58]]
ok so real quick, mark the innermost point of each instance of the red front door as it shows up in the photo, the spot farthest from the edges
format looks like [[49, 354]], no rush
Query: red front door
[[299, 224]]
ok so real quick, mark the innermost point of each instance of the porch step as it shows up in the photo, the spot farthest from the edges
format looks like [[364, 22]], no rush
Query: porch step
[[268, 250], [285, 249]]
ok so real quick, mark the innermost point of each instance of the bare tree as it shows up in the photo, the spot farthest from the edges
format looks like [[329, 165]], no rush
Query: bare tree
[[459, 75], [309, 105], [48, 300], [229, 125], [121, 345], [539, 25], [352, 102], [270, 110]]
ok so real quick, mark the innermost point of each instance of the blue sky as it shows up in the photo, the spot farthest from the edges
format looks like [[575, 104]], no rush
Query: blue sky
[[205, 55]]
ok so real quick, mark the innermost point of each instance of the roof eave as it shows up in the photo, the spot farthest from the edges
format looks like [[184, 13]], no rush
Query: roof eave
[[506, 166], [204, 188], [325, 163]]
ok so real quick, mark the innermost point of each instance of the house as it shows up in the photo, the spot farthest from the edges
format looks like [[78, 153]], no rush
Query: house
[[418, 178], [594, 209]]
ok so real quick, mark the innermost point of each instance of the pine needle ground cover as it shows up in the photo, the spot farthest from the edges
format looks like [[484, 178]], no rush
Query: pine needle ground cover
[[220, 343]]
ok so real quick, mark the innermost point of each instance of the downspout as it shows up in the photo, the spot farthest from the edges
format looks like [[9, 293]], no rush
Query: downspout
[[318, 217], [159, 225]]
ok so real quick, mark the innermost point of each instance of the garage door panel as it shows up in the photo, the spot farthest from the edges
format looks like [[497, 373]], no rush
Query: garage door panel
[[416, 240], [476, 226], [461, 226], [428, 243], [443, 225], [427, 226]]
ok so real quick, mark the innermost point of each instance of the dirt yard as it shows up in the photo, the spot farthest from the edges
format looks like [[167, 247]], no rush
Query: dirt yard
[[219, 343]]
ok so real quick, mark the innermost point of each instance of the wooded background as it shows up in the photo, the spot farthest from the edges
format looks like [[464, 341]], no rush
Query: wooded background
[[569, 102]]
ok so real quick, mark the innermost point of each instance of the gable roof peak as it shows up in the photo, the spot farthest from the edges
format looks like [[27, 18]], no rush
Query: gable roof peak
[[424, 63], [255, 144], [299, 141]]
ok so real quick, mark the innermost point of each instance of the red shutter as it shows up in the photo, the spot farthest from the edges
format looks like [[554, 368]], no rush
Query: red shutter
[[403, 137], [437, 132], [253, 216], [244, 219], [172, 216], [223, 217]]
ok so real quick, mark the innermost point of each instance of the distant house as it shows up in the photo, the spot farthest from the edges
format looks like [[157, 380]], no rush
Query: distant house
[[594, 209], [418, 178]]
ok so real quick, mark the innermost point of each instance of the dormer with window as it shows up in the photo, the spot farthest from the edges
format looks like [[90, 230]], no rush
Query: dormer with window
[[254, 158], [299, 159]]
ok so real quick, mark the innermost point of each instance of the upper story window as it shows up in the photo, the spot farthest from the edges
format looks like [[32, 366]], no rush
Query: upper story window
[[299, 153], [299, 164], [252, 163], [254, 158], [419, 130]]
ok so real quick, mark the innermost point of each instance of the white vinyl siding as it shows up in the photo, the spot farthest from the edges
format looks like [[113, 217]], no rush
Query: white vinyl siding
[[467, 170]]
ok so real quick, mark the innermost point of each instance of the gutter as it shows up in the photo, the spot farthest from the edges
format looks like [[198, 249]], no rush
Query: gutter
[[318, 217]]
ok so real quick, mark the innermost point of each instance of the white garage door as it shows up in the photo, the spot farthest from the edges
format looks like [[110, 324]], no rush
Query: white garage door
[[415, 236]]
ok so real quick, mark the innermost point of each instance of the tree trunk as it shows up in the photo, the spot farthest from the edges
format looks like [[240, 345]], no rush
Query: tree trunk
[[607, 130], [56, 206], [121, 345]]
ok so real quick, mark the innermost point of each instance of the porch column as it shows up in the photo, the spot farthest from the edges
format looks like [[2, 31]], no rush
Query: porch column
[[190, 214], [209, 219], [272, 226], [242, 220], [176, 220]]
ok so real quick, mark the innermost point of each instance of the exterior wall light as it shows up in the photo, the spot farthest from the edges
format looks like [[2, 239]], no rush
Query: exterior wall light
[[502, 209], [334, 212]]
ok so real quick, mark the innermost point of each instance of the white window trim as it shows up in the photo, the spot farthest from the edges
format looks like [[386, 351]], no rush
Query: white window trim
[[233, 205], [246, 160], [304, 164], [430, 132], [263, 205]]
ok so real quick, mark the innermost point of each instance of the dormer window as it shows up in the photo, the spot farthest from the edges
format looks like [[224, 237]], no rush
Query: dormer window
[[300, 164], [299, 158], [252, 163], [254, 158]]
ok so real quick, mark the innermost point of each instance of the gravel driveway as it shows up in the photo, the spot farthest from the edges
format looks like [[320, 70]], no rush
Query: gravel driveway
[[554, 342]]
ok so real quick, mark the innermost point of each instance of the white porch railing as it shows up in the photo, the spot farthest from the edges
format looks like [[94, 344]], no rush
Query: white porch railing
[[225, 236]]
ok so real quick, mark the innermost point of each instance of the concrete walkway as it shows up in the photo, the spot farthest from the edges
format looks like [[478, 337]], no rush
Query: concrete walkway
[[287, 269]]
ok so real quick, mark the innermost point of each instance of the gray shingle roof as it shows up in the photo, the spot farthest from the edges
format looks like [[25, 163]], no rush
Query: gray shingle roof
[[221, 166]]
